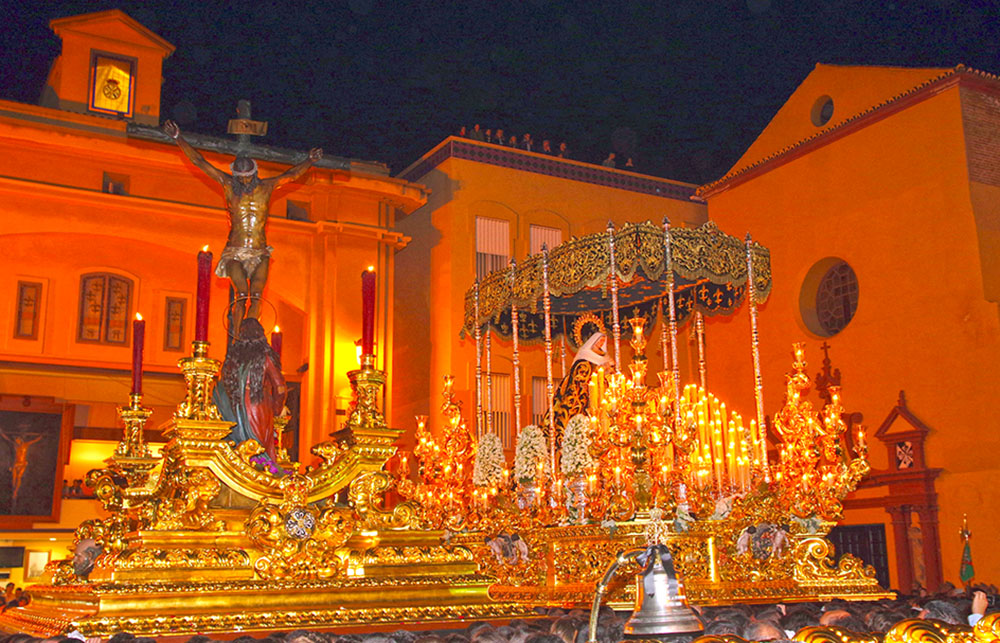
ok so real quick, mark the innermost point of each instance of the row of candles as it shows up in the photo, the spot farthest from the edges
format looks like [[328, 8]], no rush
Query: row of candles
[[726, 452], [202, 311], [722, 452]]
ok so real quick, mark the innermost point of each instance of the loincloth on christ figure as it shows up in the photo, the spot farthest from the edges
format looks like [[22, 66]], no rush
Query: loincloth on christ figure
[[249, 258]]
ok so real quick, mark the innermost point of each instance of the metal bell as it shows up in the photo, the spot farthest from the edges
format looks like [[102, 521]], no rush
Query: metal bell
[[661, 607]]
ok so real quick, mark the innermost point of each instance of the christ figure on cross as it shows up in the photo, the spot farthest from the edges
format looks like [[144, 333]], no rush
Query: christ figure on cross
[[246, 257]]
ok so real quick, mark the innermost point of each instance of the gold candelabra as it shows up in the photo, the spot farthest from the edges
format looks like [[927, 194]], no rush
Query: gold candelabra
[[366, 384], [200, 372], [815, 472], [134, 416], [647, 458]]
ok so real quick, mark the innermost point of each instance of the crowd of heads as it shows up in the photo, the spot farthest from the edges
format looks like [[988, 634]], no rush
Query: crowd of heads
[[781, 622], [526, 142], [778, 622], [523, 142], [14, 597]]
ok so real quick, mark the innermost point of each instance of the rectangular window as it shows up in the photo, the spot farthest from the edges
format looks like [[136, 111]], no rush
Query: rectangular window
[[539, 400], [119, 295], [539, 235], [112, 81], [297, 210], [115, 183], [105, 301], [29, 303], [173, 329], [492, 245], [500, 406]]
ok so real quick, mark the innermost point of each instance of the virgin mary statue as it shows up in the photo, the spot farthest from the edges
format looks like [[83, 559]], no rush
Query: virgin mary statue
[[572, 395]]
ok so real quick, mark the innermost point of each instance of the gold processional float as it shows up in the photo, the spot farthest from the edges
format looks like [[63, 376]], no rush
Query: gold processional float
[[645, 476]]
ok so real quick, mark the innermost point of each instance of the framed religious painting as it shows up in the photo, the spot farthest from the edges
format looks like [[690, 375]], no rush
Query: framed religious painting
[[34, 564], [35, 434]]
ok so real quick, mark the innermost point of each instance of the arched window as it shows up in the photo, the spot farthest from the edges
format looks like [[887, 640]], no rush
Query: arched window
[[105, 303]]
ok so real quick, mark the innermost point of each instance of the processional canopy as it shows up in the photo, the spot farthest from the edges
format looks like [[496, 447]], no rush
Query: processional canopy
[[709, 269]]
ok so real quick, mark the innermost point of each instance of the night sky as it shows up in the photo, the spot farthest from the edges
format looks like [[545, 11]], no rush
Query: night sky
[[685, 85]]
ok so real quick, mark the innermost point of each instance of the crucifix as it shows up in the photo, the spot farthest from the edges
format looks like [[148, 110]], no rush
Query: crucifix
[[246, 257]]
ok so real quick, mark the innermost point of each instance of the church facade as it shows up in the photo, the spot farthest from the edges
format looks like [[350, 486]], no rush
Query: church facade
[[104, 218], [875, 190]]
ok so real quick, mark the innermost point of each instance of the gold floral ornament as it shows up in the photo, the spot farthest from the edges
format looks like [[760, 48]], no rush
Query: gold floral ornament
[[815, 473], [182, 500], [914, 630], [814, 563], [367, 492], [298, 541], [833, 634]]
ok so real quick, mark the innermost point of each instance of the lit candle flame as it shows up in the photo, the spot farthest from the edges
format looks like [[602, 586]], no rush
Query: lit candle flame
[[204, 248], [277, 329], [138, 317], [371, 268]]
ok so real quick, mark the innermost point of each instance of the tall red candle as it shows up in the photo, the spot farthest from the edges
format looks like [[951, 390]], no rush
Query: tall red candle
[[138, 341], [368, 311], [204, 283], [276, 342]]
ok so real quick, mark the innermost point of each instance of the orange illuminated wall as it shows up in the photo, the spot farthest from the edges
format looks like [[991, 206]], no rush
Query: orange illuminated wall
[[902, 184], [470, 179], [84, 195]]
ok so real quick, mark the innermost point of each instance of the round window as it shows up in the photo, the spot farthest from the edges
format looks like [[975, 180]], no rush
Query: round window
[[829, 296], [822, 111]]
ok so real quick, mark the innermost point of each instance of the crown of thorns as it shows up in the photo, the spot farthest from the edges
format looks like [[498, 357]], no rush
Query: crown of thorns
[[250, 172]]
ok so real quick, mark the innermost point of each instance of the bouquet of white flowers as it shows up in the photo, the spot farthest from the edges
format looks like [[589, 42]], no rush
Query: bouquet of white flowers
[[488, 469], [576, 458], [530, 451]]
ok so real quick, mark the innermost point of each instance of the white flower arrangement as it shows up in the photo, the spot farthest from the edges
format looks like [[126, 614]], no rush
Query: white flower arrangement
[[530, 452], [576, 458], [488, 468]]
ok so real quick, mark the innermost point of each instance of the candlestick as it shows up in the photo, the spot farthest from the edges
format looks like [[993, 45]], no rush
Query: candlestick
[[675, 367], [517, 355], [549, 388], [758, 383], [276, 341], [489, 382], [479, 364], [699, 328], [138, 341], [368, 311], [204, 285], [613, 275]]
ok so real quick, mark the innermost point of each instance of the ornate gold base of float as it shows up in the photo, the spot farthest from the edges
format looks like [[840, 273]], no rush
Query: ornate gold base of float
[[184, 582], [202, 540], [566, 564], [163, 608]]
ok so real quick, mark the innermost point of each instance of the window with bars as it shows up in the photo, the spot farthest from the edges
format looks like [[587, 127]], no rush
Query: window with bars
[[837, 298], [500, 408], [492, 245], [539, 400], [105, 301], [539, 235]]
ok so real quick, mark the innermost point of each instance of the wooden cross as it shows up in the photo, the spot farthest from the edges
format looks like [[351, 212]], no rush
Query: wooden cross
[[244, 127]]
